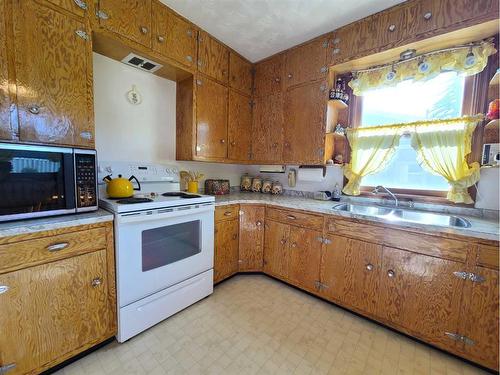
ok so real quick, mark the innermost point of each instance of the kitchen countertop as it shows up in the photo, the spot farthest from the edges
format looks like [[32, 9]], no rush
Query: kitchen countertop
[[13, 228], [486, 229]]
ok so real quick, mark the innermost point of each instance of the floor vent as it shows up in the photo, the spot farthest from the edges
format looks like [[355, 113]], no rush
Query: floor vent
[[141, 63]]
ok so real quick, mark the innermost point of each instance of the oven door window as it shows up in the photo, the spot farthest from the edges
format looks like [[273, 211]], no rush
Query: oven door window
[[166, 245]]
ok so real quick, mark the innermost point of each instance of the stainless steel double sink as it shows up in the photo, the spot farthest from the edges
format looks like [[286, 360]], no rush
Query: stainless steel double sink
[[397, 214]]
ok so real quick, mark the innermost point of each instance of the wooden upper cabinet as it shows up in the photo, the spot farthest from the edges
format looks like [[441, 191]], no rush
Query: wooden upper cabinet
[[350, 271], [225, 249], [268, 77], [59, 308], [420, 293], [276, 255], [481, 317], [304, 133], [251, 250], [239, 130], [54, 95], [128, 18], [213, 57], [173, 36], [390, 28], [211, 119], [6, 130], [304, 250], [306, 62], [240, 74], [78, 7], [267, 129]]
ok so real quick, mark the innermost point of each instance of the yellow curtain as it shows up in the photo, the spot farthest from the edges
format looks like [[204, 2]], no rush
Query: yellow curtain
[[464, 61], [372, 149], [442, 147]]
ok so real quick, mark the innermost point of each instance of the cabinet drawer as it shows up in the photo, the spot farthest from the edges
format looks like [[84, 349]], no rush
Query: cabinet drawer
[[46, 249], [488, 256], [226, 212], [295, 218], [418, 243]]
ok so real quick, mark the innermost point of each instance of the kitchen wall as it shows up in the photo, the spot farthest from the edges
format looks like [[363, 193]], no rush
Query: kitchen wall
[[146, 132]]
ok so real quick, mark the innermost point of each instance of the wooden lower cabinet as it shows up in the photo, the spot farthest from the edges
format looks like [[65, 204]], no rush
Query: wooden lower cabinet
[[420, 293], [251, 247], [350, 272], [276, 249], [226, 249]]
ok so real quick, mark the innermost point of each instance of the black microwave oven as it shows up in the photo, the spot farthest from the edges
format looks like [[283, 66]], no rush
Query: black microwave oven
[[38, 181]]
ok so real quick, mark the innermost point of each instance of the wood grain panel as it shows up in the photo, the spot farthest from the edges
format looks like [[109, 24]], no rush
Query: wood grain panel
[[269, 75], [390, 27], [297, 218], [211, 118], [6, 130], [251, 248], [488, 256], [185, 140], [350, 272], [423, 295], [60, 83], [30, 252], [304, 257], [226, 212], [276, 258], [173, 36], [213, 57], [71, 6], [240, 74], [306, 62], [304, 133], [239, 129], [129, 18], [420, 243], [481, 319], [52, 309], [226, 249], [267, 129]]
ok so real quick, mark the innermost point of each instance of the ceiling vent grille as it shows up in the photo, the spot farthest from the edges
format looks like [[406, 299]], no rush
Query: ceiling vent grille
[[141, 63]]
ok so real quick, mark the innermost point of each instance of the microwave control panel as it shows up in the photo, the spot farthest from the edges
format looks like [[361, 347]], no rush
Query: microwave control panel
[[86, 183]]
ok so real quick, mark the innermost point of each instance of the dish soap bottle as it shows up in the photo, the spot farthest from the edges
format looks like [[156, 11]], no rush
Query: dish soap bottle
[[336, 193]]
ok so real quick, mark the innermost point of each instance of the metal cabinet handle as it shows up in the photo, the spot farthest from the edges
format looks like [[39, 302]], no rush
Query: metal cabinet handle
[[291, 217], [86, 135], [235, 236], [233, 143], [290, 75], [294, 244], [391, 273], [336, 40], [57, 246], [222, 141], [336, 51], [391, 28], [275, 144], [258, 223], [4, 369], [81, 4], [228, 213], [160, 39], [369, 267], [283, 241], [277, 79], [189, 58], [189, 32], [102, 15], [3, 289], [96, 282], [34, 109], [144, 29], [427, 16]]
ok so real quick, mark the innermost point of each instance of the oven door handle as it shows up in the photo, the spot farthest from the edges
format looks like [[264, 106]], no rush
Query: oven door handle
[[160, 214]]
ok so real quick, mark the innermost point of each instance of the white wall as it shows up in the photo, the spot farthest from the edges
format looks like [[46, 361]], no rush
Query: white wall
[[146, 132]]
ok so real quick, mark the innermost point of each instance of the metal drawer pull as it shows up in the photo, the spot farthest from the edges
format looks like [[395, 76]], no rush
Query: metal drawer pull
[[96, 282], [228, 213], [258, 223], [291, 217], [391, 273], [391, 28], [57, 246], [7, 367], [34, 109], [144, 29], [160, 39], [3, 289], [102, 15], [369, 267], [428, 16]]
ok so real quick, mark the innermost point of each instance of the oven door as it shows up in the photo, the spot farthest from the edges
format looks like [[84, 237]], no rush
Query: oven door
[[160, 248]]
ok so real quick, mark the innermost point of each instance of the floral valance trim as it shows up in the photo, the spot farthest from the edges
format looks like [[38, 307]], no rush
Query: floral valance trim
[[466, 61]]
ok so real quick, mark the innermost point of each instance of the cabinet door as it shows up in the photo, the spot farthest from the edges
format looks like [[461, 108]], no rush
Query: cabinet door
[[54, 95], [481, 318], [213, 57], [251, 238], [304, 138], [350, 272], [239, 131], [53, 309], [211, 119], [304, 257], [226, 249], [267, 129], [306, 63], [269, 76], [276, 255], [6, 130], [421, 293], [240, 74], [78, 7], [173, 36], [390, 28], [128, 18]]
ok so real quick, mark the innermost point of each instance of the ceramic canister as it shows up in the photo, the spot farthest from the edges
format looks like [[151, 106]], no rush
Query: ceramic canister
[[246, 183], [256, 184], [266, 186], [277, 188]]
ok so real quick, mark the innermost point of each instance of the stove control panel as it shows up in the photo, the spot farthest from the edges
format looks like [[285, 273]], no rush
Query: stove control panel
[[145, 172]]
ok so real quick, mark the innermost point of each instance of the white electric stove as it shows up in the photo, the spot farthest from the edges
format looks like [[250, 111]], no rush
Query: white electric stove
[[164, 245]]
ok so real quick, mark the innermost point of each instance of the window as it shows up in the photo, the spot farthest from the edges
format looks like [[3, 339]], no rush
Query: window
[[437, 98]]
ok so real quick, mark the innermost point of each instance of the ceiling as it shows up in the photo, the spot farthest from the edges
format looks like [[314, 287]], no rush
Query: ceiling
[[260, 28]]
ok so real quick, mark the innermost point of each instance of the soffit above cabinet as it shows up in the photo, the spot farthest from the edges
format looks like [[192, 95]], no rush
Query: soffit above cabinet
[[260, 28]]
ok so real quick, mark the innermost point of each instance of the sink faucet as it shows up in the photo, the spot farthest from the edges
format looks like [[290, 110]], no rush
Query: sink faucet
[[380, 187]]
